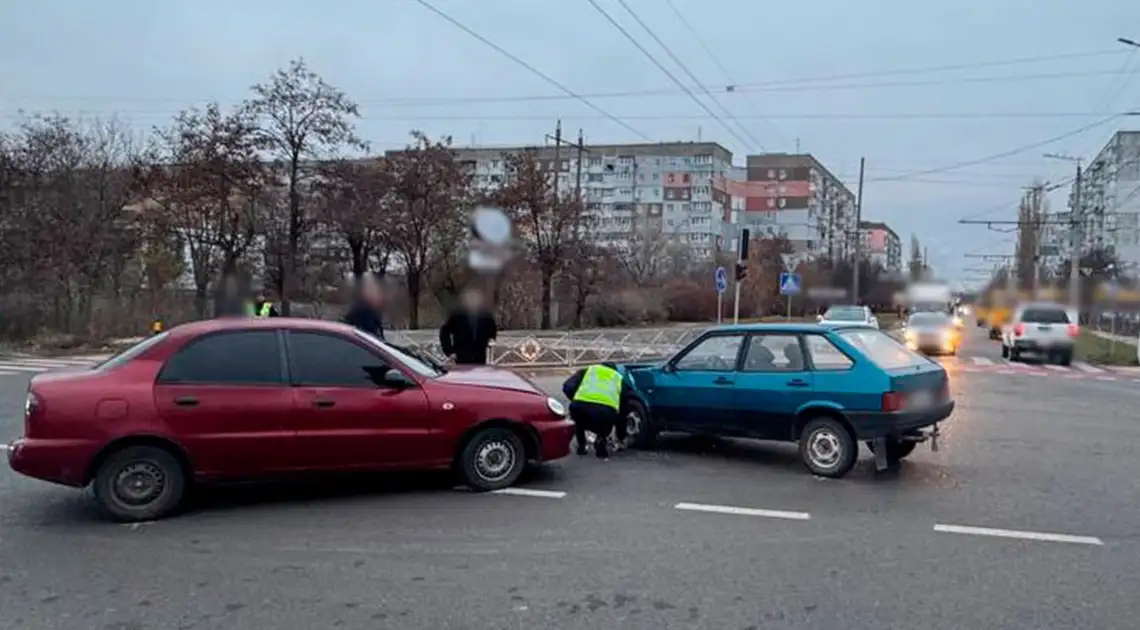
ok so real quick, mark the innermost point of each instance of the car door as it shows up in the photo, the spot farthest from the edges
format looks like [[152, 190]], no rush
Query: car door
[[346, 415], [694, 390], [224, 397], [773, 383], [831, 370]]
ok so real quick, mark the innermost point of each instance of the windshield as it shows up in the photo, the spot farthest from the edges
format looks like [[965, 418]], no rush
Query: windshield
[[845, 314], [1045, 316], [882, 349], [126, 356], [928, 319], [413, 363]]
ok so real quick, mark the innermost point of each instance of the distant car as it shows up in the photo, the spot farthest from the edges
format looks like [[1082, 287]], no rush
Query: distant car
[[1044, 329], [858, 315], [932, 333], [242, 398], [825, 387]]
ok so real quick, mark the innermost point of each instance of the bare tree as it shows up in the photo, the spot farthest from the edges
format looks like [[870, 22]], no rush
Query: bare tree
[[547, 223], [650, 255], [302, 121], [354, 206], [429, 191]]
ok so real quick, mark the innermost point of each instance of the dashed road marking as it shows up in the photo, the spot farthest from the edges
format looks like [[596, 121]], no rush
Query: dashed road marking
[[1085, 367], [3, 447], [1056, 368], [982, 360], [1018, 534], [526, 492], [743, 511], [1106, 378]]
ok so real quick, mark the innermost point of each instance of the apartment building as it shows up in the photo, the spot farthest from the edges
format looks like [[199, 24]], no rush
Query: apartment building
[[880, 244], [1109, 204], [794, 196], [631, 191]]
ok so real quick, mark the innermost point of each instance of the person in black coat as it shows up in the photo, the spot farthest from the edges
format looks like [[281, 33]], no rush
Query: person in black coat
[[230, 300], [468, 332], [365, 314]]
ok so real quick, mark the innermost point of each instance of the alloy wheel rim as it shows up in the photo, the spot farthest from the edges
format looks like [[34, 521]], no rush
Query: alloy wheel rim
[[824, 448]]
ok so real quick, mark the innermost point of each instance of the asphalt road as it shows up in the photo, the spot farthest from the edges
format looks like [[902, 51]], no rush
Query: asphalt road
[[598, 545]]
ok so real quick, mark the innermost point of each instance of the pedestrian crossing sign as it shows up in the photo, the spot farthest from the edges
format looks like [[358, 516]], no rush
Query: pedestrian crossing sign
[[789, 283]]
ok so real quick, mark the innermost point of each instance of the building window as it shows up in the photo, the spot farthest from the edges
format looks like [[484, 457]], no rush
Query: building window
[[771, 174]]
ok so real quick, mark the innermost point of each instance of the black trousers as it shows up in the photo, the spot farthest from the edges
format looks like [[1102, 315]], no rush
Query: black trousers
[[597, 419]]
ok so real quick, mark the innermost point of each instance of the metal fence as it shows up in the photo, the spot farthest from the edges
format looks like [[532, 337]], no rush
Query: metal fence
[[565, 349]]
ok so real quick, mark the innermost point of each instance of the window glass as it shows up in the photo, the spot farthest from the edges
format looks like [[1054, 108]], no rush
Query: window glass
[[333, 361], [774, 353], [1045, 316], [421, 364], [129, 354], [716, 353], [882, 349], [845, 314], [249, 357], [929, 319], [824, 354]]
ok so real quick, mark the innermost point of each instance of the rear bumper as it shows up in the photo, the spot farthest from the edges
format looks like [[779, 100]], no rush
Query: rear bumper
[[869, 425], [554, 439], [1035, 345], [59, 461]]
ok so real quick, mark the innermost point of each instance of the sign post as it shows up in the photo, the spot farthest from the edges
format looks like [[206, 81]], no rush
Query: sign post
[[741, 273], [789, 286], [721, 285]]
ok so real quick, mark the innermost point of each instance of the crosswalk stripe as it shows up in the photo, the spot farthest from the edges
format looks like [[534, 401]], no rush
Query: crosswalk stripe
[[24, 368], [1056, 368], [1085, 367], [8, 373], [47, 362], [982, 360]]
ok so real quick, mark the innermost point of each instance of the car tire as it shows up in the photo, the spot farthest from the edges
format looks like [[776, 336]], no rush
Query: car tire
[[646, 435], [1014, 354], [1065, 359], [139, 483], [1004, 351], [896, 449], [492, 459], [827, 448]]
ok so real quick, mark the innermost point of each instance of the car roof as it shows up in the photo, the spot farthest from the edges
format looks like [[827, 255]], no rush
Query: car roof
[[221, 324], [789, 327]]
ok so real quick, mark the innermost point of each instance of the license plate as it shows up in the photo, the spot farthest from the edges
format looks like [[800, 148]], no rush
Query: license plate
[[1044, 328], [921, 399]]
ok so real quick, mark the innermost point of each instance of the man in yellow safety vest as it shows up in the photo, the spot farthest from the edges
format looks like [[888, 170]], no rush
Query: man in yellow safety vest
[[261, 307], [595, 404]]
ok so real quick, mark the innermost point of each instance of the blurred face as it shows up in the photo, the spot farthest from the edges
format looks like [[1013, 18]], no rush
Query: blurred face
[[372, 293], [471, 300]]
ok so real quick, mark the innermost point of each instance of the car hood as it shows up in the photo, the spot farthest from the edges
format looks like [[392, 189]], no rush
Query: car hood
[[490, 378]]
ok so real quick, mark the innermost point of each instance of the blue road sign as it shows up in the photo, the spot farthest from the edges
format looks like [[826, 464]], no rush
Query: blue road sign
[[721, 279], [789, 283]]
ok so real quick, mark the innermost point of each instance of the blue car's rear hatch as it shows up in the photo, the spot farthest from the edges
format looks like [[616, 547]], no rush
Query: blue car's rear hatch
[[921, 385]]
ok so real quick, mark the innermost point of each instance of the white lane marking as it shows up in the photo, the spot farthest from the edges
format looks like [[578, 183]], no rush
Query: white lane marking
[[1018, 534], [2, 373], [3, 447], [525, 492], [1106, 378], [1085, 367], [742, 511], [1056, 368], [49, 362], [982, 360], [24, 368]]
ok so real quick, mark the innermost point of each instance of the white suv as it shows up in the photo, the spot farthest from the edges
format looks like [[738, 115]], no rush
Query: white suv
[[1047, 330], [850, 315]]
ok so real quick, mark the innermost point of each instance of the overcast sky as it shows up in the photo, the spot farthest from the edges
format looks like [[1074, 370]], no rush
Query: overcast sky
[[819, 75]]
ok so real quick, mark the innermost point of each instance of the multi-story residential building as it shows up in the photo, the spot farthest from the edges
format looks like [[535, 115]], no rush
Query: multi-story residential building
[[880, 244], [793, 195], [631, 191], [1109, 204]]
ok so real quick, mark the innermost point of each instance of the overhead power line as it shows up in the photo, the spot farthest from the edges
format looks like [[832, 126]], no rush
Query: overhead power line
[[427, 5], [621, 29]]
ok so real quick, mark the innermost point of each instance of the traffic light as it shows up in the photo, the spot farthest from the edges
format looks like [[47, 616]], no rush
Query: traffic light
[[741, 271]]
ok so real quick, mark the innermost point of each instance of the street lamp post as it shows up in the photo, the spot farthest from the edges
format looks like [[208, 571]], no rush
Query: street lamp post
[[1075, 236]]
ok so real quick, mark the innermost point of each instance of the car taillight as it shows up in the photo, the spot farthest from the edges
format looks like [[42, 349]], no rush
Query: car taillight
[[893, 401], [1074, 330], [1019, 330]]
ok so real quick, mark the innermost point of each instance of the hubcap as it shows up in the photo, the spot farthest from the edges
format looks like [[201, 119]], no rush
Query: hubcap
[[632, 425], [495, 460], [139, 483], [824, 448]]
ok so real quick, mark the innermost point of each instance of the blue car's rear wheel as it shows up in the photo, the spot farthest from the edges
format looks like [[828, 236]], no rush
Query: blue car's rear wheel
[[827, 448]]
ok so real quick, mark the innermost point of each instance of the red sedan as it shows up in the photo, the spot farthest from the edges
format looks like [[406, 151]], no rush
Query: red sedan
[[241, 398]]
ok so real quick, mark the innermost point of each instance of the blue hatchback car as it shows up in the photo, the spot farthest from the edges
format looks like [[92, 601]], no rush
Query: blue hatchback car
[[825, 387]]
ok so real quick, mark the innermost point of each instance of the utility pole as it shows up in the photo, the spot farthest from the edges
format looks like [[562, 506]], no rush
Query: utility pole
[[858, 232], [578, 169], [830, 222], [1077, 238], [557, 155]]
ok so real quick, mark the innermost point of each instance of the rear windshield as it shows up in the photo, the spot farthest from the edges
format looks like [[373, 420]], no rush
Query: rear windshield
[[126, 356], [845, 314], [1045, 316], [882, 349]]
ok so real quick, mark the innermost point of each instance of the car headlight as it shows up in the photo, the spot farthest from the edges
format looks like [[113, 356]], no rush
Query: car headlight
[[556, 407]]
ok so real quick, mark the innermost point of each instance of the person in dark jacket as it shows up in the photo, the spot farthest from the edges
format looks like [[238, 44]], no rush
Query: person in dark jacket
[[230, 300], [468, 332], [365, 314], [262, 306]]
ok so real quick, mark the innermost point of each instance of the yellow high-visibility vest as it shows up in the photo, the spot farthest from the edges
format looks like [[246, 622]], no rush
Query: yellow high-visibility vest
[[601, 385]]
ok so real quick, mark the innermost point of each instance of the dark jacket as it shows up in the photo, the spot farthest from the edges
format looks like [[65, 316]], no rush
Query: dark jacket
[[466, 336], [365, 318], [229, 306]]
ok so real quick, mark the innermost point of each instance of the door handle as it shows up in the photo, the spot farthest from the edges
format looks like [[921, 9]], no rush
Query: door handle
[[323, 403], [720, 380], [186, 401], [796, 382]]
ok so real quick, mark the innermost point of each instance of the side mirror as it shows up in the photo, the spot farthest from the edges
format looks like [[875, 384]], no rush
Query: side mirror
[[396, 378], [668, 368]]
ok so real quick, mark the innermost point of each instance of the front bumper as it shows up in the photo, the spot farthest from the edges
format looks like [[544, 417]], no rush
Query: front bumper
[[869, 425], [1034, 346], [554, 439]]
